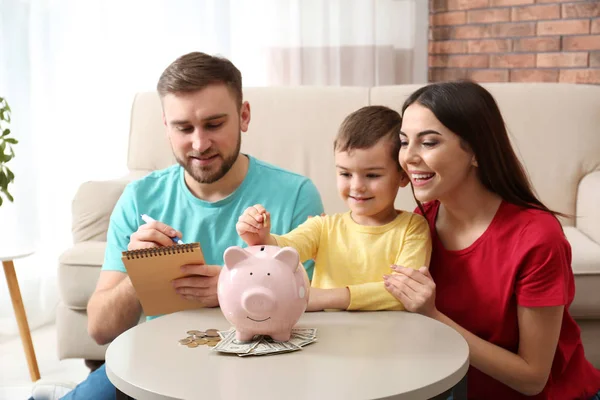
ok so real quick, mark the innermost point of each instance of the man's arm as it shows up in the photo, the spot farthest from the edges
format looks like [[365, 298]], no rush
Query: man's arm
[[113, 308]]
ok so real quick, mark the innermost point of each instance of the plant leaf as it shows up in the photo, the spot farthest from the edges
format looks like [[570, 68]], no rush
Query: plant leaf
[[5, 133], [10, 175], [7, 194], [11, 140], [1, 200]]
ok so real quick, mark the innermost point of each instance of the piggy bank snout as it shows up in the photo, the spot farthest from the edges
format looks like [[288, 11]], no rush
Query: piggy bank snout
[[258, 301]]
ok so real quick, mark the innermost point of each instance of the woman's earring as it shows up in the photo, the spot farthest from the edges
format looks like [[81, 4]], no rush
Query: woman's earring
[[474, 163]]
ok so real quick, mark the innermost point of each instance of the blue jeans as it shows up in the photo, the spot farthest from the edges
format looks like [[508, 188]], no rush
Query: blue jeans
[[96, 386], [459, 391]]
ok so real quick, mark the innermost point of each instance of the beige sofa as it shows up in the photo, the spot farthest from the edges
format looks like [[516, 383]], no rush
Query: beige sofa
[[555, 127]]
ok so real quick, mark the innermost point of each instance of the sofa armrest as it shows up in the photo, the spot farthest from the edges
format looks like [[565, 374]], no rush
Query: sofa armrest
[[588, 212], [92, 206]]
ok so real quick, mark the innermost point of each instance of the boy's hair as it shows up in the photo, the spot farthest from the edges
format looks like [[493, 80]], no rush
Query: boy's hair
[[368, 125], [195, 71]]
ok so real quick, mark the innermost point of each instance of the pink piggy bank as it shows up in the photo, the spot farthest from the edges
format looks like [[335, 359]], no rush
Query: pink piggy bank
[[263, 290]]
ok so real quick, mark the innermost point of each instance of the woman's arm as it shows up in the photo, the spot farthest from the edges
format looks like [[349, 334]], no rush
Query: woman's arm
[[526, 371]]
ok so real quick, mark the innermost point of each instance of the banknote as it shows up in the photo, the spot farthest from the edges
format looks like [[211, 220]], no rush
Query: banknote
[[263, 345]]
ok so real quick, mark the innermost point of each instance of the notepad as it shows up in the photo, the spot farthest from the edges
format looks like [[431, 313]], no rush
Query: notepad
[[152, 271]]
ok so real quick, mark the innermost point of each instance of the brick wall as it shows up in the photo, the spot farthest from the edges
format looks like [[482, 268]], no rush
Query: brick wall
[[515, 40]]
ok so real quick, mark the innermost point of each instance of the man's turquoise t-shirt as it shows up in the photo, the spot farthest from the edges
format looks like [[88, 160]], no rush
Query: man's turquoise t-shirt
[[164, 196]]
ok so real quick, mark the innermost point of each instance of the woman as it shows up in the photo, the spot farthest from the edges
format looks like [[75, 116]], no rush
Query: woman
[[501, 263]]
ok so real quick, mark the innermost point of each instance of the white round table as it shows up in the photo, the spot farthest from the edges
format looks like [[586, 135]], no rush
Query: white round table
[[7, 258], [358, 355]]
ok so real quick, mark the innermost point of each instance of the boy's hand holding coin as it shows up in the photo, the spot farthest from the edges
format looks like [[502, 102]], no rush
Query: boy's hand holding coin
[[254, 226]]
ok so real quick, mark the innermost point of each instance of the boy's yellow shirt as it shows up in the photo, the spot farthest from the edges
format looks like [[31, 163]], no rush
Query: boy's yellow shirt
[[350, 255]]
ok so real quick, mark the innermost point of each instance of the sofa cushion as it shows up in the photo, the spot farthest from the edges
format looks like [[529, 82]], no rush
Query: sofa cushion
[[78, 271], [72, 335], [92, 206], [586, 268]]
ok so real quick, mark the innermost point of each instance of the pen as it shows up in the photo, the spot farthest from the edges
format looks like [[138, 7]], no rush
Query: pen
[[147, 219]]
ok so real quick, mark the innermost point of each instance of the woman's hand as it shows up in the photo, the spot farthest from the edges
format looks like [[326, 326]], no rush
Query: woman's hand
[[414, 288], [253, 226]]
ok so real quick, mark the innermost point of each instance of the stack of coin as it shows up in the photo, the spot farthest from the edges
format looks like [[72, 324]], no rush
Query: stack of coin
[[196, 338]]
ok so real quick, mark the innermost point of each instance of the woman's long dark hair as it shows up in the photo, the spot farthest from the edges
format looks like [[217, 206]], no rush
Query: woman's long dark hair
[[470, 111]]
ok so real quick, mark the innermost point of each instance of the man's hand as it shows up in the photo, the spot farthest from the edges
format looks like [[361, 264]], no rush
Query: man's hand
[[200, 285], [153, 234]]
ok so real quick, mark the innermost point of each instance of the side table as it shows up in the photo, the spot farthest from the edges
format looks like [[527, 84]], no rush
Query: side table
[[17, 301], [358, 355]]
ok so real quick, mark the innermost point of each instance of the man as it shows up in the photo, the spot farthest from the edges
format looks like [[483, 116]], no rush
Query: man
[[197, 200]]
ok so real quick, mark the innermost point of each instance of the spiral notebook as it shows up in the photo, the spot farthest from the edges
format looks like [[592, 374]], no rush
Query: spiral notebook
[[151, 272]]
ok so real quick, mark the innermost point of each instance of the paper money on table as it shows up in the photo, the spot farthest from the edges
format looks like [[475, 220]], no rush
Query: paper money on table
[[229, 344], [263, 345], [270, 347]]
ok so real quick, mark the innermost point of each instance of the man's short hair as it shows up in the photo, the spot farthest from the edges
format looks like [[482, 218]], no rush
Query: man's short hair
[[195, 71], [365, 127]]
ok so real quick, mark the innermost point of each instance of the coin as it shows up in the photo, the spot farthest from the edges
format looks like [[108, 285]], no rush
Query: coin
[[196, 338], [212, 333]]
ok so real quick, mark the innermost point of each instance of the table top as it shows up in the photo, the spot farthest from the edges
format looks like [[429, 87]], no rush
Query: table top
[[9, 253], [358, 355]]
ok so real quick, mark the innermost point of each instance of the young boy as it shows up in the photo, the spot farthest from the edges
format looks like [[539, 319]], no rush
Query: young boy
[[353, 250]]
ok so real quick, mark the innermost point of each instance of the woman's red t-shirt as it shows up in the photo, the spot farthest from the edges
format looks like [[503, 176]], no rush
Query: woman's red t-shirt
[[523, 258]]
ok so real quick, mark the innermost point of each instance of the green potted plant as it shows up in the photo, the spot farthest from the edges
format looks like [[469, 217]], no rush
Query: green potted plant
[[6, 151]]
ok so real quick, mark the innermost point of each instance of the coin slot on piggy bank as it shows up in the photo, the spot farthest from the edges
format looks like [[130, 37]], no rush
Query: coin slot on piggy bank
[[263, 290]]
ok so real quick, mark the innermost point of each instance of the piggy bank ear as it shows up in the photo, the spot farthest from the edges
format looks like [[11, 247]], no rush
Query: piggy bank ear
[[289, 257], [234, 255]]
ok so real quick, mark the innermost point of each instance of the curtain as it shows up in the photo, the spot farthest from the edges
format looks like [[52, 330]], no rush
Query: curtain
[[70, 69]]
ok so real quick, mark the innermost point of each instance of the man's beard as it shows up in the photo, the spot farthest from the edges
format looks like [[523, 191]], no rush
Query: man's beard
[[203, 174]]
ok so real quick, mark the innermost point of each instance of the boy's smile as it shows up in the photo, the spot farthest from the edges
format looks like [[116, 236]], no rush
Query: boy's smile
[[360, 199]]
